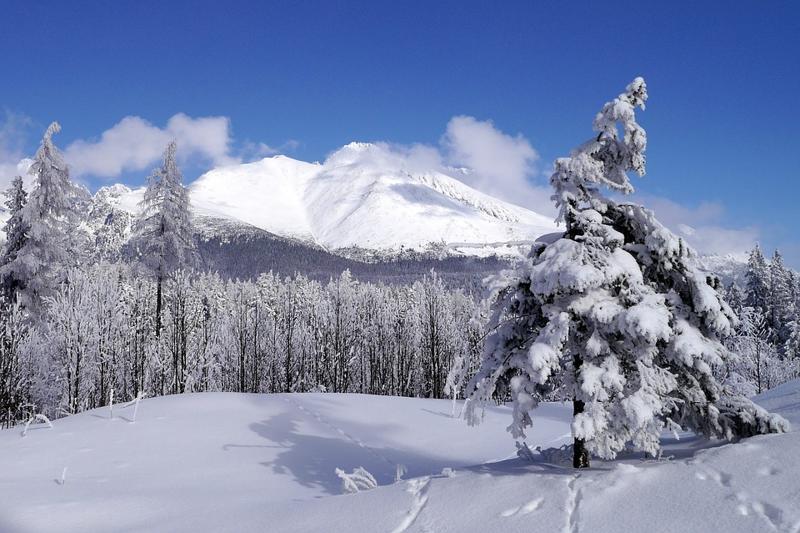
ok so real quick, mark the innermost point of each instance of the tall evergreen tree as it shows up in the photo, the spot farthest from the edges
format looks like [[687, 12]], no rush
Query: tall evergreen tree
[[49, 221], [780, 301], [615, 312], [757, 281], [16, 234], [735, 298], [163, 238]]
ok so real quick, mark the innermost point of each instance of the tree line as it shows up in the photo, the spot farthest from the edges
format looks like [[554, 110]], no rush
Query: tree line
[[99, 334], [767, 337]]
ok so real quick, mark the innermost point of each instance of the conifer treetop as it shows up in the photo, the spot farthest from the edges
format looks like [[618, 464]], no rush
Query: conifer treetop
[[607, 159]]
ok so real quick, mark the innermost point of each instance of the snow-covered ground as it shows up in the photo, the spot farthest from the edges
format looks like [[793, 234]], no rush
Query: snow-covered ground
[[241, 462]]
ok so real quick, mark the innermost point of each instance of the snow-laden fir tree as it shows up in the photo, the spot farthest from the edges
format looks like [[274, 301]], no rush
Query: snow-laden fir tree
[[757, 281], [614, 312], [735, 298], [780, 300], [16, 235], [50, 223], [163, 239]]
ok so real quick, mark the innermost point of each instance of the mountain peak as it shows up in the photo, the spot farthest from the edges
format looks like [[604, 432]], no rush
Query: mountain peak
[[364, 196]]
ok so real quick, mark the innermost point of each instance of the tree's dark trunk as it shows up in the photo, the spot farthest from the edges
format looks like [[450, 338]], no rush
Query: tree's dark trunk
[[580, 455], [158, 306], [77, 382]]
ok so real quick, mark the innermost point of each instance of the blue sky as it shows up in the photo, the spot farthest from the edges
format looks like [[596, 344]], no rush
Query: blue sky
[[305, 78]]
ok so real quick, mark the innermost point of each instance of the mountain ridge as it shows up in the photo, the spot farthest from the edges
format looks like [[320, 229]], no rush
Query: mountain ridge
[[360, 198]]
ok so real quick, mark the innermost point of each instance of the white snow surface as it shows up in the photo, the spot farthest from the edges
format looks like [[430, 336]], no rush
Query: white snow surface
[[244, 462], [362, 196]]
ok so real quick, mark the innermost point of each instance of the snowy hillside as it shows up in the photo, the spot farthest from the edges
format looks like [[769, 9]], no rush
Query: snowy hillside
[[731, 268], [361, 197], [237, 462]]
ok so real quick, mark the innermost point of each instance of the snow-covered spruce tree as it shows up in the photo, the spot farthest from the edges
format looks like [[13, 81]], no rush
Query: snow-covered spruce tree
[[163, 239], [781, 301], [15, 230], [757, 281], [614, 312], [50, 220], [792, 347]]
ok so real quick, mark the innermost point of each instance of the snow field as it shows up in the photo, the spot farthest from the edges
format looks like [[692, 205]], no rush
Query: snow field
[[245, 462]]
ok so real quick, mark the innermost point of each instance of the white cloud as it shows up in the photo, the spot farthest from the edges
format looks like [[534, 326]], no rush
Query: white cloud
[[134, 144], [475, 152], [495, 163], [701, 226], [501, 165], [13, 130], [257, 150]]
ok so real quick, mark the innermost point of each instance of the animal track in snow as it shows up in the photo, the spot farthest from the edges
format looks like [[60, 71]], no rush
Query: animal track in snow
[[338, 430], [531, 506], [723, 479], [771, 514], [573, 502], [419, 498]]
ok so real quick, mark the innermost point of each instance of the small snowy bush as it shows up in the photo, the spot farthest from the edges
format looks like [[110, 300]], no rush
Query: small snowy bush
[[356, 481], [36, 418]]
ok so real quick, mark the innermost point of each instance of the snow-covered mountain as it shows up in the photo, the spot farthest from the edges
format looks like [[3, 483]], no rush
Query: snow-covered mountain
[[359, 198]]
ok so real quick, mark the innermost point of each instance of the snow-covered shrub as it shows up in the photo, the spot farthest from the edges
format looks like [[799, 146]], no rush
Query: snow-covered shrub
[[399, 472], [40, 418], [524, 451], [561, 456], [356, 481]]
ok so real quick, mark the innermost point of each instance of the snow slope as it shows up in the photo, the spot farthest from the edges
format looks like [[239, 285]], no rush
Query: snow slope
[[237, 462], [363, 196], [190, 462], [267, 194]]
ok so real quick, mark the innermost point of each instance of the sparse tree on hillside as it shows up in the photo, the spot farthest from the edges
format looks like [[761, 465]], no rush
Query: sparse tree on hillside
[[615, 312]]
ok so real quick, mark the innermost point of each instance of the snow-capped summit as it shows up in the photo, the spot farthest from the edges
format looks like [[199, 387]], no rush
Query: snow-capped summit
[[119, 196], [267, 194], [370, 197], [364, 196]]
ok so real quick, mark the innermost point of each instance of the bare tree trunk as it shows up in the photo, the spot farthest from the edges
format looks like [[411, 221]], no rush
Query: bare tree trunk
[[159, 281]]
